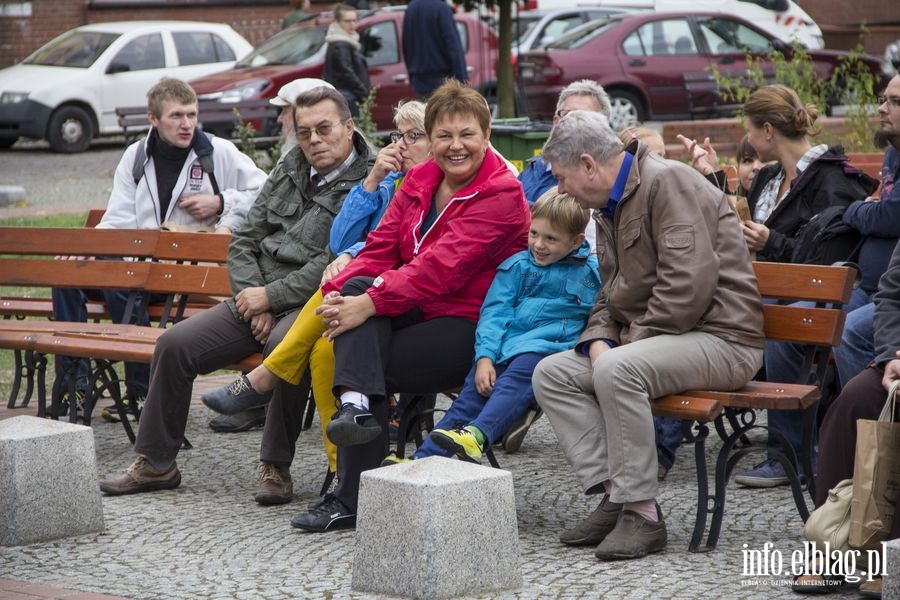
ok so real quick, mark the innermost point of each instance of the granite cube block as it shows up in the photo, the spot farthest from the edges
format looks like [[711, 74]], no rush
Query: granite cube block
[[436, 528], [49, 487]]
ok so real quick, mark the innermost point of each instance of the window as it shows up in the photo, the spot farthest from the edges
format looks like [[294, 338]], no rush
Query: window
[[141, 53], [557, 27], [194, 47], [661, 38], [290, 47], [224, 53], [724, 36], [463, 35], [77, 49], [776, 5], [380, 44]]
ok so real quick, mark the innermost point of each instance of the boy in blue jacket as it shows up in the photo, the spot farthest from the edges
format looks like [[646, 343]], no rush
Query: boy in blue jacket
[[537, 305]]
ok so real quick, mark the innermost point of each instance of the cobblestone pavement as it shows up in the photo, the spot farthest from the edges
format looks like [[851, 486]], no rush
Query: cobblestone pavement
[[208, 539]]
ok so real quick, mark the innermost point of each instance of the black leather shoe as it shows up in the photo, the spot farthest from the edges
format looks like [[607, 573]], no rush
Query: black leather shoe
[[329, 515], [235, 397], [351, 426], [243, 421]]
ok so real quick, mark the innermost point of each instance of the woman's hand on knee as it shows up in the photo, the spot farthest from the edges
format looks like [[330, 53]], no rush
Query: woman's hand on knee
[[343, 313]]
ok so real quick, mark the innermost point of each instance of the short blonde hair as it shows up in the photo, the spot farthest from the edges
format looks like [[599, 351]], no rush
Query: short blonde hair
[[562, 211], [173, 90], [411, 111]]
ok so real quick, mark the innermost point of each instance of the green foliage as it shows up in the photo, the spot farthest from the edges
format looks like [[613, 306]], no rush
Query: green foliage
[[50, 220], [245, 134], [364, 121], [851, 83]]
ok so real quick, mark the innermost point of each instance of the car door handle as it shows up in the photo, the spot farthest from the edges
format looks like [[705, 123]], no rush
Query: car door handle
[[402, 77], [636, 62], [726, 60]]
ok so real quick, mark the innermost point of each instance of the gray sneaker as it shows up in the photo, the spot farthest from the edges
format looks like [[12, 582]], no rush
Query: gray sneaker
[[512, 439], [592, 530], [633, 537]]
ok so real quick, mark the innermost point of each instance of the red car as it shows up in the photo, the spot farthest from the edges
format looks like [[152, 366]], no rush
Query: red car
[[299, 51], [653, 65]]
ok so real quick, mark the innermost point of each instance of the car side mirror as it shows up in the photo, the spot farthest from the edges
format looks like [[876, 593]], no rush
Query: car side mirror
[[117, 67]]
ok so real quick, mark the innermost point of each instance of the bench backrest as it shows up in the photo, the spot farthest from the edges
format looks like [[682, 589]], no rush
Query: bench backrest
[[818, 326]]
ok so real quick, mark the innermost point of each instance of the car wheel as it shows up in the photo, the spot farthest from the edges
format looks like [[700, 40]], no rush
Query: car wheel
[[627, 109], [70, 130], [6, 143]]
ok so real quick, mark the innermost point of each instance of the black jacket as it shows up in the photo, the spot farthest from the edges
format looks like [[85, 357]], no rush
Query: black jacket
[[828, 181], [887, 312], [346, 69]]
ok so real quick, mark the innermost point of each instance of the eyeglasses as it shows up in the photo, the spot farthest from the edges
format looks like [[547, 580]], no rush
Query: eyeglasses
[[409, 136], [349, 20], [322, 130], [891, 101], [563, 112]]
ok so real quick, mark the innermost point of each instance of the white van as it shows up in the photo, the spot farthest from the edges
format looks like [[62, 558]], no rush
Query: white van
[[782, 18]]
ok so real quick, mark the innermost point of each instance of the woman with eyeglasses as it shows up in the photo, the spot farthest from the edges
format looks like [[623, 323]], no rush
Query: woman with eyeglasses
[[345, 66], [402, 314], [303, 346]]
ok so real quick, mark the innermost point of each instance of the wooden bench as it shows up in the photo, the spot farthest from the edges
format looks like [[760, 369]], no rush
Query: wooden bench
[[819, 328], [215, 117], [174, 264]]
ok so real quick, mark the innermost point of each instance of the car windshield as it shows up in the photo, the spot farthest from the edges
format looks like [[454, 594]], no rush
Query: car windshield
[[290, 47], [581, 35], [523, 27], [76, 49]]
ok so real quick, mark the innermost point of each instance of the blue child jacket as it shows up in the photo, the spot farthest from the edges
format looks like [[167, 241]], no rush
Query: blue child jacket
[[531, 308]]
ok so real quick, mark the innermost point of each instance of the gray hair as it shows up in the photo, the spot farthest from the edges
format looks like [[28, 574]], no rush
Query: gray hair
[[320, 94], [412, 112], [587, 87], [581, 132]]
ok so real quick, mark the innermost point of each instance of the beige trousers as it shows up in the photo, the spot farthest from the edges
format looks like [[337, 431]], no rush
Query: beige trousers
[[601, 412]]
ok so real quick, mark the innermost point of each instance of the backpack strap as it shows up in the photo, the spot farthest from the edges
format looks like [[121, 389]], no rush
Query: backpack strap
[[208, 166], [140, 157]]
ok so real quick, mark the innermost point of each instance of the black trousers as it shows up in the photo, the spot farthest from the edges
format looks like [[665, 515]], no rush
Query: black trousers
[[390, 354]]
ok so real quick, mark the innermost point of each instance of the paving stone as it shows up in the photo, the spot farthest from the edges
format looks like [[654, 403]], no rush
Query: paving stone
[[48, 481], [237, 545]]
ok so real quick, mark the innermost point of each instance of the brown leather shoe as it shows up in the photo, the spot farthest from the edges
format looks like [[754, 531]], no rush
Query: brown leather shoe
[[275, 486], [141, 477], [633, 537], [595, 527]]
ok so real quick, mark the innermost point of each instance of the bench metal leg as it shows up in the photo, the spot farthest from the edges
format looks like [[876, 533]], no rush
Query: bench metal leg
[[698, 438]]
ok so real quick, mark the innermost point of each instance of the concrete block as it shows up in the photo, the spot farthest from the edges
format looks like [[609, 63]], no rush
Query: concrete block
[[891, 583], [436, 528], [49, 487], [11, 195]]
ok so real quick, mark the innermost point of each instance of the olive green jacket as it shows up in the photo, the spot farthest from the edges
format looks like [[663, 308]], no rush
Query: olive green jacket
[[283, 244]]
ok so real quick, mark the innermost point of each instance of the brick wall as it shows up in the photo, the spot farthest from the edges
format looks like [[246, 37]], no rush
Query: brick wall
[[19, 36], [840, 21]]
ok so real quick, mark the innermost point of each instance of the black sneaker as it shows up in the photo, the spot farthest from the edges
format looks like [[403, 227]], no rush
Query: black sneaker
[[111, 415], [351, 426], [329, 515], [235, 397], [242, 421]]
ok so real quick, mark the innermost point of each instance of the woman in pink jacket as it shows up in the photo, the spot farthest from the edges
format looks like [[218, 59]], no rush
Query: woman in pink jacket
[[402, 314]]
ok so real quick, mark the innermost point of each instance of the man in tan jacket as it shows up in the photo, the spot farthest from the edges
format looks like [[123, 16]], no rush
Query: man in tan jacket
[[679, 310]]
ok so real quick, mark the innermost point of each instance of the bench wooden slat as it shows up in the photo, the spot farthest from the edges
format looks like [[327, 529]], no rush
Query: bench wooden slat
[[99, 274], [763, 395], [188, 279], [52, 241], [697, 408], [816, 283], [204, 247], [820, 326]]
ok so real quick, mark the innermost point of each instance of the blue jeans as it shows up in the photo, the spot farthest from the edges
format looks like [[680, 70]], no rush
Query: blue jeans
[[857, 347], [492, 415], [783, 363], [69, 304]]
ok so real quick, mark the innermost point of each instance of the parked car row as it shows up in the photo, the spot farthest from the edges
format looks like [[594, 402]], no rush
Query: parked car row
[[645, 61], [67, 91], [299, 51], [649, 62]]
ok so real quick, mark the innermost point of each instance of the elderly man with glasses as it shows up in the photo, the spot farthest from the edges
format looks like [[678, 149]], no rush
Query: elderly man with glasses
[[276, 262]]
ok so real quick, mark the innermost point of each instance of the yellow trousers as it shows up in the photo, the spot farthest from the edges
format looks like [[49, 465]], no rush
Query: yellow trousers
[[303, 346]]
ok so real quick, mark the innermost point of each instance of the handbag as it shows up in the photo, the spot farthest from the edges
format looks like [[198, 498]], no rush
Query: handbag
[[876, 476], [831, 522]]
